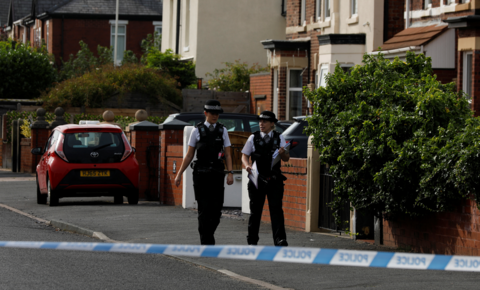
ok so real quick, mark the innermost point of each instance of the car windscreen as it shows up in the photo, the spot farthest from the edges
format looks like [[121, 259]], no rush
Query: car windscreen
[[93, 147]]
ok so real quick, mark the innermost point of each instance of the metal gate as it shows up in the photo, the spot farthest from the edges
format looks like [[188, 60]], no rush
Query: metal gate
[[326, 219]]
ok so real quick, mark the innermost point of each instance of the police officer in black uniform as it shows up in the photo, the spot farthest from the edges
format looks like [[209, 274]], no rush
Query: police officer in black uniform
[[261, 146], [210, 140]]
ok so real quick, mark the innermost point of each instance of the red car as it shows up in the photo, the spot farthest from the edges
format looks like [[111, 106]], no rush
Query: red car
[[84, 161]]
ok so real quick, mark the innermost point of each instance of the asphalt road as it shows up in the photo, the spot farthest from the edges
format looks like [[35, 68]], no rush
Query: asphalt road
[[49, 269], [150, 222]]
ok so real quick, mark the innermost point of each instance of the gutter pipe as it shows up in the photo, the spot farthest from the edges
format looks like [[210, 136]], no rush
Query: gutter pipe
[[407, 23], [177, 44]]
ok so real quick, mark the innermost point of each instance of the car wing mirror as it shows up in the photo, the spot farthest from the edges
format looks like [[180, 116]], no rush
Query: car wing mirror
[[37, 151]]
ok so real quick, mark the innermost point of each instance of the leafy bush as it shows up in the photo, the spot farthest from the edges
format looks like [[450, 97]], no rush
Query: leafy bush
[[105, 82], [182, 71], [153, 41], [24, 71], [235, 77], [397, 141]]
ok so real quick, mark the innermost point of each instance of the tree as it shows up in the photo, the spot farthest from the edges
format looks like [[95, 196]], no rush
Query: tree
[[24, 71], [168, 61], [398, 142], [235, 77]]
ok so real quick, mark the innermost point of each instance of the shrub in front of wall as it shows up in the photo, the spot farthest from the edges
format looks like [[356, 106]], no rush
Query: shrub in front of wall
[[235, 77], [397, 141], [24, 71], [106, 82], [169, 62]]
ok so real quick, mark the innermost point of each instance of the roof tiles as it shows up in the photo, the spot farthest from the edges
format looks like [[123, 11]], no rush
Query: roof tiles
[[414, 36]]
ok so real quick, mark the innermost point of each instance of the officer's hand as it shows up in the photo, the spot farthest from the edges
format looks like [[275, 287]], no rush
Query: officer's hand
[[281, 151], [177, 180], [249, 169], [230, 179]]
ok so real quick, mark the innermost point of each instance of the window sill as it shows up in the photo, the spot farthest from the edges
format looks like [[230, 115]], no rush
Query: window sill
[[296, 29], [186, 49], [462, 7], [353, 19]]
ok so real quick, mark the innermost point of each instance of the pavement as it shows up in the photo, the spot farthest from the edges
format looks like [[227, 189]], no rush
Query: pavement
[[150, 222]]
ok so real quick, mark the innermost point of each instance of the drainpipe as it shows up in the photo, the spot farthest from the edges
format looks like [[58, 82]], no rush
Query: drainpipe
[[407, 24], [178, 27]]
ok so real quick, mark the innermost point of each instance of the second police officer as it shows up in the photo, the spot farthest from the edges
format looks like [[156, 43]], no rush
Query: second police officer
[[210, 140], [261, 146]]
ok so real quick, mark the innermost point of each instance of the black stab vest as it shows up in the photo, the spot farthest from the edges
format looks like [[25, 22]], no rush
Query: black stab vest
[[263, 154], [210, 145]]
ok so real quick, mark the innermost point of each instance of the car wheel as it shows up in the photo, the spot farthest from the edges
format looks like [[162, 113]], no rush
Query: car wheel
[[51, 194], [118, 199], [133, 197], [41, 198]]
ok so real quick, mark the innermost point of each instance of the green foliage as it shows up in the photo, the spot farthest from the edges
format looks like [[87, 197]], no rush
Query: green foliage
[[24, 71], [85, 61], [397, 141], [168, 61], [235, 77], [152, 42], [94, 87], [129, 57], [14, 115]]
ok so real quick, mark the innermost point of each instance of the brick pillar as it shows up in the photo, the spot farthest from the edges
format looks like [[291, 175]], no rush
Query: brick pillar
[[144, 137], [171, 133], [40, 135]]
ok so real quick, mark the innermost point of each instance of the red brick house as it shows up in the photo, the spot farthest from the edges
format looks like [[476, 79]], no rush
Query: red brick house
[[320, 33], [62, 24], [447, 31]]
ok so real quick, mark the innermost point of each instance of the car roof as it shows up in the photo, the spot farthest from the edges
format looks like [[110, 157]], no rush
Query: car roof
[[71, 128], [201, 113]]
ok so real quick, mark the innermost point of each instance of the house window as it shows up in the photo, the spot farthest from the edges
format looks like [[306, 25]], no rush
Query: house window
[[47, 33], [323, 75], [318, 10], [467, 74], [450, 2], [158, 26], [428, 4], [303, 13], [353, 7], [346, 68], [464, 1], [295, 93], [326, 8], [121, 38]]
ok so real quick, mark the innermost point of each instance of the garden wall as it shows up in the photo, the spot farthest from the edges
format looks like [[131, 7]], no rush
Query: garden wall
[[295, 195], [450, 233]]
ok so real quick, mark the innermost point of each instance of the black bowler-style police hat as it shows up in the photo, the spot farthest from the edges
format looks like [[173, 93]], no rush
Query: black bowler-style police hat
[[213, 106], [268, 116]]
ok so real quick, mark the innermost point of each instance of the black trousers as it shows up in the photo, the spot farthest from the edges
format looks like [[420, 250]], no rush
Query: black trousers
[[209, 192], [274, 192]]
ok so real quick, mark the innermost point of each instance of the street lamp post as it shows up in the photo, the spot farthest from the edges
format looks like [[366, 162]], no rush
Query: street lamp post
[[116, 36]]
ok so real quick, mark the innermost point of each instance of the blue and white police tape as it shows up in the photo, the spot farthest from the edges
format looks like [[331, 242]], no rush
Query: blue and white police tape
[[276, 254]]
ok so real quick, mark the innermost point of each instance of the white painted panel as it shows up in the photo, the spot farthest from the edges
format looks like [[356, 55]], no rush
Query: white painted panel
[[245, 198], [442, 50]]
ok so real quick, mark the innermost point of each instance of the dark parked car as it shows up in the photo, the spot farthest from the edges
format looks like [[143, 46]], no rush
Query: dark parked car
[[232, 121], [295, 132]]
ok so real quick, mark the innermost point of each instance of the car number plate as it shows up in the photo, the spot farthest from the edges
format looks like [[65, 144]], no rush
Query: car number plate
[[94, 173]]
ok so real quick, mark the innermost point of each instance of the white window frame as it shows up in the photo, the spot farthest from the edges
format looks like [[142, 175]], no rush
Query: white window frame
[[353, 8], [303, 12], [47, 33], [466, 75], [327, 3], [287, 113], [186, 37], [123, 23], [428, 4], [157, 26], [318, 10], [323, 73], [465, 1]]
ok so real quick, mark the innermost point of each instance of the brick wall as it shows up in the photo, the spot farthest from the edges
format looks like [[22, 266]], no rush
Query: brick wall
[[294, 196], [395, 22], [170, 141], [26, 164], [39, 139], [261, 84], [141, 140], [462, 33], [172, 195], [445, 75], [93, 32], [451, 233]]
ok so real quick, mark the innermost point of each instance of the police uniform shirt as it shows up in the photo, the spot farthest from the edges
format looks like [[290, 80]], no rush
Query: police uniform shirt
[[249, 147], [195, 136]]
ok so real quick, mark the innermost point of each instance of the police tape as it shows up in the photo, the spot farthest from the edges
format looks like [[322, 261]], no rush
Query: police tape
[[275, 254]]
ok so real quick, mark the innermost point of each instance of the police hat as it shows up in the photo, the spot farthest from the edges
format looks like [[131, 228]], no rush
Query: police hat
[[268, 116], [213, 106]]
